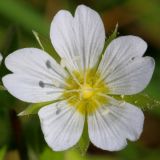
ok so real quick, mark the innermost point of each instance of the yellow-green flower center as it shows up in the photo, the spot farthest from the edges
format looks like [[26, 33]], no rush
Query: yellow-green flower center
[[87, 91], [84, 91]]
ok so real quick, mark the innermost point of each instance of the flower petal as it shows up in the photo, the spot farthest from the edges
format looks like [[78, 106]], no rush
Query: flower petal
[[111, 125], [90, 34], [133, 78], [36, 78], [123, 68], [61, 124], [78, 40], [120, 52], [29, 89], [33, 61]]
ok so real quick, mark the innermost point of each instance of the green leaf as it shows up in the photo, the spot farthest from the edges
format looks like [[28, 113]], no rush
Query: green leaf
[[34, 108], [143, 101], [112, 36], [84, 141]]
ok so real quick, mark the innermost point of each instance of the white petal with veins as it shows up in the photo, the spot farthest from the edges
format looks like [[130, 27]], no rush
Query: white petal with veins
[[28, 88], [33, 61], [123, 68], [109, 130], [61, 124], [81, 36], [36, 76], [133, 78]]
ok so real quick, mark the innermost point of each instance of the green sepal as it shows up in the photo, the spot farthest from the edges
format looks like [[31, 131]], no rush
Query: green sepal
[[34, 108], [143, 101], [112, 36], [46, 45], [2, 88], [83, 144]]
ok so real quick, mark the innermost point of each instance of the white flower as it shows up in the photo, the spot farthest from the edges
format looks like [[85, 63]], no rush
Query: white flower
[[1, 58], [84, 87]]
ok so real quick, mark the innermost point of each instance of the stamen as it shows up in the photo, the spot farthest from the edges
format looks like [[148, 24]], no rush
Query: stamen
[[106, 110], [58, 109], [85, 77], [43, 85], [83, 94], [65, 64], [103, 95], [98, 104], [112, 100], [56, 90], [56, 83], [73, 90], [98, 81], [50, 66], [74, 77]]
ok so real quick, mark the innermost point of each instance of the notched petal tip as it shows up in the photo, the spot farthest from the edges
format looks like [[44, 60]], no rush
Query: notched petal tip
[[83, 7]]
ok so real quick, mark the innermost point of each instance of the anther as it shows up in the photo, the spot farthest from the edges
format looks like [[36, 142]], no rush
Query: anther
[[41, 84], [58, 111], [133, 58], [48, 64]]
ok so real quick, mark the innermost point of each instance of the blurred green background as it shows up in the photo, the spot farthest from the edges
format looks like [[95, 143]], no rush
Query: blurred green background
[[21, 137]]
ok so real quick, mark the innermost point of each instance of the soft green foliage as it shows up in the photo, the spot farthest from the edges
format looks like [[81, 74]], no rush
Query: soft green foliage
[[48, 154], [24, 15], [74, 155], [2, 153]]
